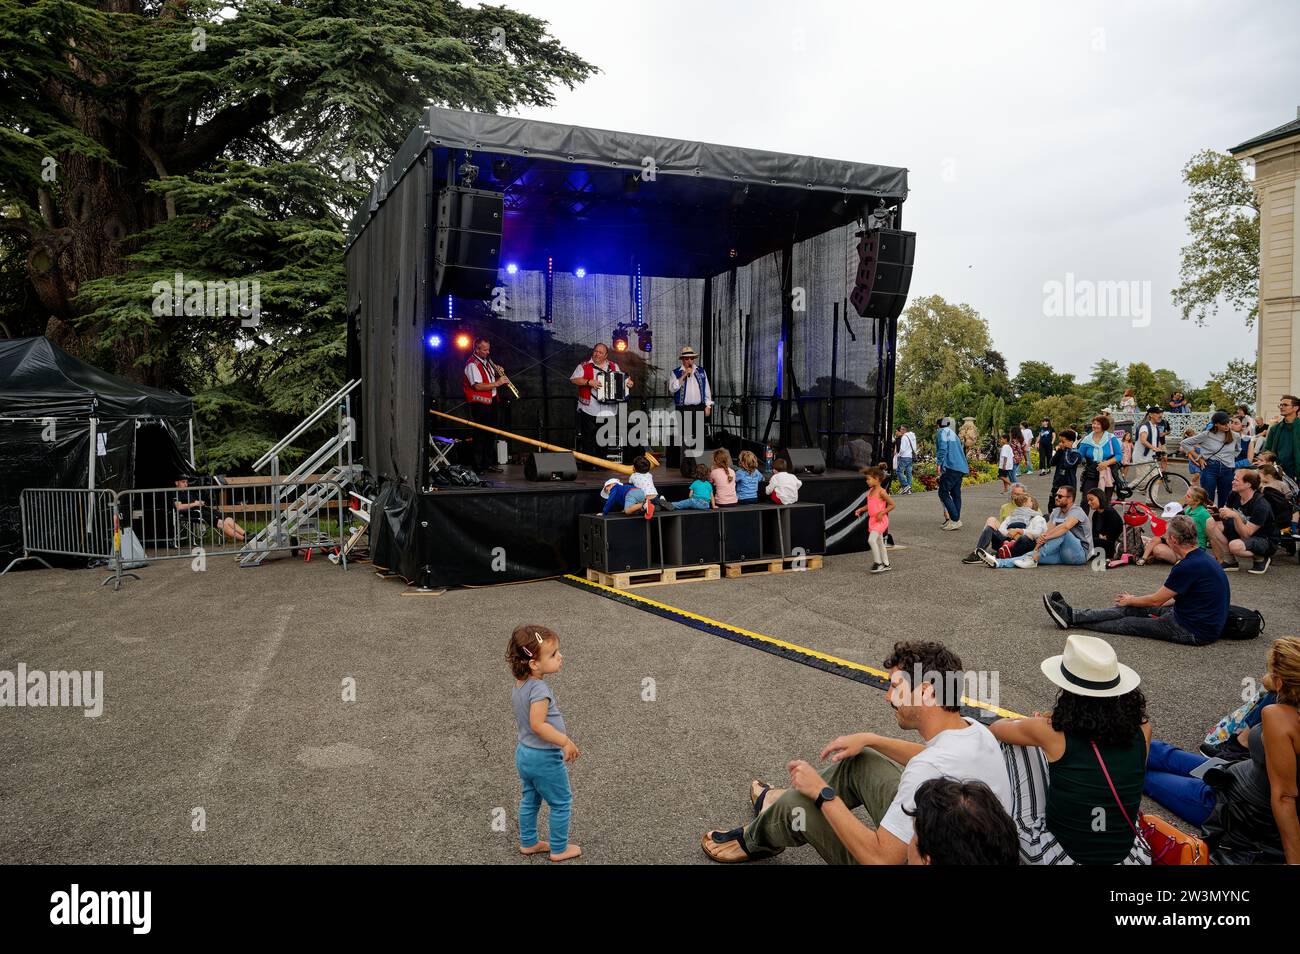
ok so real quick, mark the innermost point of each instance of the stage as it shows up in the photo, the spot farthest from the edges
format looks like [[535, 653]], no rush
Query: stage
[[516, 530]]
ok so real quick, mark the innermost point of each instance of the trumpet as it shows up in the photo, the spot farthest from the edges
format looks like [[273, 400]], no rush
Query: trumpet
[[510, 384]]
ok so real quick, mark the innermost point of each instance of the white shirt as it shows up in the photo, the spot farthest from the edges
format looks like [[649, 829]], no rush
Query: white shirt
[[969, 754], [474, 374], [907, 445], [692, 387], [1028, 437], [1006, 458], [594, 407], [786, 486], [645, 481], [1142, 453]]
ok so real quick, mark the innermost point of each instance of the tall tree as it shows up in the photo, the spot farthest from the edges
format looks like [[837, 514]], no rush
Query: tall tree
[[1107, 383], [1221, 262], [1038, 376], [226, 140], [942, 345], [1234, 385]]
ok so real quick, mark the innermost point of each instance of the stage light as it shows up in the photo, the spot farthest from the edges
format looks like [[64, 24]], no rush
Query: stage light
[[435, 341], [463, 341], [501, 169], [580, 272], [620, 337], [645, 339], [512, 268]]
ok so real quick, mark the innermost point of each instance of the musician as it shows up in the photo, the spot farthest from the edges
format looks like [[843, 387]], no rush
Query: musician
[[691, 395], [482, 378], [590, 411]]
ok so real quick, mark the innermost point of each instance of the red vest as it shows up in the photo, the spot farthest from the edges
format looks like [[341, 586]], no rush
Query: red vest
[[589, 372], [471, 394]]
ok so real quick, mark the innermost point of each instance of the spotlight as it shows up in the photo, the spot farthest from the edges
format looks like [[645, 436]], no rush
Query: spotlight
[[512, 268], [463, 341], [435, 341], [580, 272], [645, 339], [501, 169], [620, 338]]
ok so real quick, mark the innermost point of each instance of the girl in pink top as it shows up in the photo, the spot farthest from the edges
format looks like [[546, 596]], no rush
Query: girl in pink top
[[723, 477], [877, 509]]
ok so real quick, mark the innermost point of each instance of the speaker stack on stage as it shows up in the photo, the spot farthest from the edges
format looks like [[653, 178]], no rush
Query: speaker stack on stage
[[467, 247], [548, 465], [884, 273], [805, 460]]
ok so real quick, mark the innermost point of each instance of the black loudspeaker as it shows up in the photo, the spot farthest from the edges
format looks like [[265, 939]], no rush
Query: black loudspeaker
[[885, 259], [548, 465], [805, 460], [807, 529], [742, 532], [701, 536], [614, 544], [467, 243]]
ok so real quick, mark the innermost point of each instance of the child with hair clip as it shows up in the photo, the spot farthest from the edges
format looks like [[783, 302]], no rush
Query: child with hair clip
[[748, 477], [877, 509], [723, 478], [544, 749]]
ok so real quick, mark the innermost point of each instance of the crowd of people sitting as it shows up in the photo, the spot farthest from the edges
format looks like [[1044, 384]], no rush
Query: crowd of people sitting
[[718, 484]]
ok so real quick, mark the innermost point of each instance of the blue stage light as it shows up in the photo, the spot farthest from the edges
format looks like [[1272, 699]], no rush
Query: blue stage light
[[580, 272], [435, 341], [511, 268]]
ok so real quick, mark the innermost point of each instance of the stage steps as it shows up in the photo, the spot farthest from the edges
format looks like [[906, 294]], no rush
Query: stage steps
[[776, 565], [634, 579]]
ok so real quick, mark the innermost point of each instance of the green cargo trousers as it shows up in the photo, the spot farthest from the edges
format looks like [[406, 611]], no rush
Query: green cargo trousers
[[868, 779]]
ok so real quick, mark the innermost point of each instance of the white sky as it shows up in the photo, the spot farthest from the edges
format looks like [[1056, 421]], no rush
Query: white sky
[[1041, 139]]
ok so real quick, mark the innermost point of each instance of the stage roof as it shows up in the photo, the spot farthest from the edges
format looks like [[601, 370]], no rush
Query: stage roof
[[580, 196]]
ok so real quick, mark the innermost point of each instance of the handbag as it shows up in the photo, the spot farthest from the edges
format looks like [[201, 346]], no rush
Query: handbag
[[1242, 623], [1167, 844]]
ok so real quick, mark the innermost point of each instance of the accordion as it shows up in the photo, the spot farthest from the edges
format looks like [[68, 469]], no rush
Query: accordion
[[609, 387]]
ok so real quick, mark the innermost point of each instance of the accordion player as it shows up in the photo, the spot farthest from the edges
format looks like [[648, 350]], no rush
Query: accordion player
[[609, 386]]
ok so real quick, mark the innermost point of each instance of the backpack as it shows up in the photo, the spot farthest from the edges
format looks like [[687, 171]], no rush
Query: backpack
[[1242, 623], [1130, 542]]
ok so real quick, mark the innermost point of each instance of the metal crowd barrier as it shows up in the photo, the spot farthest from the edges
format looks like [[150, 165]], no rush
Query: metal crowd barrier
[[133, 527]]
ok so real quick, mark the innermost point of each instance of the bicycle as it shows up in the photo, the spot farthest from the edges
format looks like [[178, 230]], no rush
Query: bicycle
[[1161, 487]]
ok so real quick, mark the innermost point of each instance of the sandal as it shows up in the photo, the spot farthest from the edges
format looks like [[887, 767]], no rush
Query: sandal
[[756, 801], [726, 847]]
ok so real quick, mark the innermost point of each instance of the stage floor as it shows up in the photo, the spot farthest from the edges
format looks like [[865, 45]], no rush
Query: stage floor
[[667, 480]]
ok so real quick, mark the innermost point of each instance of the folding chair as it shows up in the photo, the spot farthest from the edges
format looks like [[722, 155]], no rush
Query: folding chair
[[439, 448]]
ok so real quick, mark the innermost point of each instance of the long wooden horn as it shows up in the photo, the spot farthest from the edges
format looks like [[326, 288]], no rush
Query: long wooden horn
[[534, 442]]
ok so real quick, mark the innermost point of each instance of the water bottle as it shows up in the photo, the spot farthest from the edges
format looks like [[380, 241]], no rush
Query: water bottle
[[767, 461]]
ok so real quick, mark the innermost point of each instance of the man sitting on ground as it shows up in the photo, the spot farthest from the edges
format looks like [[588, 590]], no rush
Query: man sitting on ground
[[1020, 527], [961, 823], [1245, 526], [1191, 608], [876, 772], [1067, 539]]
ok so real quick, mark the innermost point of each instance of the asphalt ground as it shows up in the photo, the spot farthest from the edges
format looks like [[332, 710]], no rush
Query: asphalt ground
[[223, 692]]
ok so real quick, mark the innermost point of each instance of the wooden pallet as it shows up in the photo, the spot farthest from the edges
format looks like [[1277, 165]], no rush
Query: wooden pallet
[[774, 565], [634, 579]]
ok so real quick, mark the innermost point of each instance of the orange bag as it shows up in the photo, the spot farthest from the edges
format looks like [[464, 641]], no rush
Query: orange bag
[[1171, 845]]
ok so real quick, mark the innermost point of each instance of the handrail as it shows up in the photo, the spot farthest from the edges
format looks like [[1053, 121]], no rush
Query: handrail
[[307, 423]]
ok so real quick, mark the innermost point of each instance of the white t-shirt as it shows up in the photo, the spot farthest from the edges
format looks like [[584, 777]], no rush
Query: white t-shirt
[[1141, 453], [1028, 437], [907, 445], [969, 754], [1006, 458], [594, 407], [785, 485], [645, 481]]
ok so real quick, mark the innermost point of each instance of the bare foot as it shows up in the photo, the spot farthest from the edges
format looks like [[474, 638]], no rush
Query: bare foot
[[572, 851], [533, 849]]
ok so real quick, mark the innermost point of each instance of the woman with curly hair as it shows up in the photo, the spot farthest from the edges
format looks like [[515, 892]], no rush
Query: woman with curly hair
[[1246, 809], [1076, 773]]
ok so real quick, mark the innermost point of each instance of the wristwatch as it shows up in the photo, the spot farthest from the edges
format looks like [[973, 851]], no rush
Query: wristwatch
[[827, 794]]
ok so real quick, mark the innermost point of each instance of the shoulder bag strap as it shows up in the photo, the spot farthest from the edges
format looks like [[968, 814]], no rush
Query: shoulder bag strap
[[1097, 752]]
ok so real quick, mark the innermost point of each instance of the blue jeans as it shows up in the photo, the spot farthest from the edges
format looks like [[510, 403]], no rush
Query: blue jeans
[[1015, 472], [544, 779], [691, 503], [950, 492], [1216, 481], [1067, 549], [1170, 783], [905, 472]]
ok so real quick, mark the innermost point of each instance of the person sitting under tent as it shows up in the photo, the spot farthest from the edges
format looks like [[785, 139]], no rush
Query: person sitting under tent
[[195, 508]]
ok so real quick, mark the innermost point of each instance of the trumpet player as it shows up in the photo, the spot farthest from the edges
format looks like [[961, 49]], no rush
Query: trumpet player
[[482, 378]]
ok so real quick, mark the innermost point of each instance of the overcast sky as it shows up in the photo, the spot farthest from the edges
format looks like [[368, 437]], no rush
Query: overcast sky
[[1041, 139]]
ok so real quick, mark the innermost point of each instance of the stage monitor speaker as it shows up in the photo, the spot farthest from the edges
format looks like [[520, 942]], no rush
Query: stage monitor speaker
[[467, 243], [885, 259], [805, 460], [806, 530], [550, 465], [614, 544]]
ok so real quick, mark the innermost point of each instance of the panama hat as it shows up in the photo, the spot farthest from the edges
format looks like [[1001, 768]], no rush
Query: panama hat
[[688, 352], [609, 485], [1088, 667]]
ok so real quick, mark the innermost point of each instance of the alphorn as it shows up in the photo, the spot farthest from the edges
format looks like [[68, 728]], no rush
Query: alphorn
[[534, 442]]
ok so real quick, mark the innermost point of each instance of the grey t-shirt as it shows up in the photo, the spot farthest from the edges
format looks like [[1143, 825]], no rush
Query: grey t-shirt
[[523, 698], [1082, 529]]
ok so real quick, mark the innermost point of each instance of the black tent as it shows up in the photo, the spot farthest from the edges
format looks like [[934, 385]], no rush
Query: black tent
[[65, 423]]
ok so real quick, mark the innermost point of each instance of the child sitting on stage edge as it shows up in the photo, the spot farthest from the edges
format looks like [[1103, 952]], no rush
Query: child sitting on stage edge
[[543, 747], [701, 497], [877, 509], [724, 478], [643, 479], [748, 477], [783, 487]]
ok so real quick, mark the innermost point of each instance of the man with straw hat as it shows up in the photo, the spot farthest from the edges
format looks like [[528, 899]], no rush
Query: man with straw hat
[[692, 396]]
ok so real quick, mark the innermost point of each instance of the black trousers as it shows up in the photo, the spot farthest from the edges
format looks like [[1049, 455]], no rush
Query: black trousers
[[485, 444], [698, 425]]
